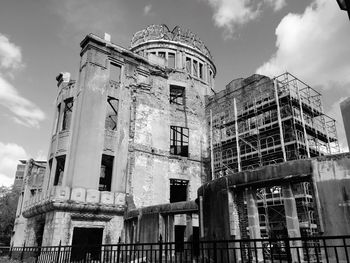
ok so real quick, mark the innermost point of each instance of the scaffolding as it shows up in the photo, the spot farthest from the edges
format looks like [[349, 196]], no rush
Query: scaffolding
[[260, 121]]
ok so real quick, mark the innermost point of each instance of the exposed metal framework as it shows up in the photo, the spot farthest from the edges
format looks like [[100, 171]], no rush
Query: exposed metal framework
[[269, 121]]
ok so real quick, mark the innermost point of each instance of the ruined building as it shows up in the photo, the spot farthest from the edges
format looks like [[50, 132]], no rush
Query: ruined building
[[141, 130], [129, 133]]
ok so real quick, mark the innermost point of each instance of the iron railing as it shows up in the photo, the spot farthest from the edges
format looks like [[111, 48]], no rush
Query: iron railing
[[308, 249]]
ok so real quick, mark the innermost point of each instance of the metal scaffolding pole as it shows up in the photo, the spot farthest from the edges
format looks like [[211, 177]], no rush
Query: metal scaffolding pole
[[237, 136], [280, 121], [303, 121], [211, 145]]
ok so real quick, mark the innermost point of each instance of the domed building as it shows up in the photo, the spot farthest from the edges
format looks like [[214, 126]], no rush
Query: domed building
[[129, 145]]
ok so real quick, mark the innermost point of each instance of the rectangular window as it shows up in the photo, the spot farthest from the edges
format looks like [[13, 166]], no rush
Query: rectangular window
[[106, 173], [201, 76], [179, 141], [60, 162], [171, 60], [195, 68], [210, 77], [161, 54], [178, 190], [111, 114], [67, 114], [177, 95], [115, 72], [188, 65], [57, 118]]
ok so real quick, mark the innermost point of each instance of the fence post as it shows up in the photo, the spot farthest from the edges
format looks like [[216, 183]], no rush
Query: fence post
[[10, 252], [24, 246], [58, 252], [118, 249], [160, 248]]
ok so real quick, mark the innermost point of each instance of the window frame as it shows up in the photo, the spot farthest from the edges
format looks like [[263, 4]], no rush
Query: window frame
[[177, 95], [179, 141]]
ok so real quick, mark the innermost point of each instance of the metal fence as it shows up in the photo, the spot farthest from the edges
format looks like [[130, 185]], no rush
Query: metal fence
[[310, 249]]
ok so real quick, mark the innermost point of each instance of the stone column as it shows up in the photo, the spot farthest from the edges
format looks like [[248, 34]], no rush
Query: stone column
[[292, 221], [254, 222]]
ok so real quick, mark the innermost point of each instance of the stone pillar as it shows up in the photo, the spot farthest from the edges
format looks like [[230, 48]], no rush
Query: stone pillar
[[292, 221], [189, 227], [254, 222]]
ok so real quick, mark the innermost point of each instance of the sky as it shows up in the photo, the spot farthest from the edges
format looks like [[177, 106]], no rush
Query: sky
[[40, 38]]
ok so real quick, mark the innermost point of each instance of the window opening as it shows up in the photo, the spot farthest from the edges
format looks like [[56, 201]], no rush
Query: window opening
[[112, 114], [210, 77], [60, 163], [188, 65], [179, 141], [178, 190], [106, 173], [67, 114], [171, 60], [200, 70], [57, 118], [115, 72], [195, 68], [177, 95], [161, 54]]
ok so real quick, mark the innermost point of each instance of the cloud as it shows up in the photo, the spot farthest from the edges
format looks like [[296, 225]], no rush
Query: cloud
[[10, 154], [24, 111], [314, 45], [229, 14], [147, 10], [10, 54]]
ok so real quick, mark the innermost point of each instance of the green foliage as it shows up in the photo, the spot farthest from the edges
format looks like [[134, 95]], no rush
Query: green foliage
[[8, 206]]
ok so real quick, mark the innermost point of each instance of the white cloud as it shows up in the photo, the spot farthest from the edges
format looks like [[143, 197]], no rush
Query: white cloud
[[229, 14], [10, 154], [147, 9], [24, 111], [10, 54], [313, 45]]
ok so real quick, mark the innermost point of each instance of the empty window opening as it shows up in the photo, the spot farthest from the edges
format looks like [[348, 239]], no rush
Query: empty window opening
[[67, 114], [161, 54], [106, 173], [178, 190], [60, 163], [171, 60], [195, 68], [115, 72], [210, 77], [112, 114], [201, 76], [188, 65], [86, 243], [179, 238], [177, 95], [179, 141], [57, 118]]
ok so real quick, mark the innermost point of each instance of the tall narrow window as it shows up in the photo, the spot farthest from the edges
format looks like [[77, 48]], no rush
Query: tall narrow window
[[195, 68], [106, 173], [177, 95], [57, 118], [115, 72], [188, 65], [171, 60], [67, 114], [60, 162], [179, 141], [210, 77], [112, 114], [201, 76]]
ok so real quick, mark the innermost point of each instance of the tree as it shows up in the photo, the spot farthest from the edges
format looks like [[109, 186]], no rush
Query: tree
[[8, 206]]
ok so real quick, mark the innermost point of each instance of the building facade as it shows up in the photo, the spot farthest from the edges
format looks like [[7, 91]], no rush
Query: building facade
[[129, 133]]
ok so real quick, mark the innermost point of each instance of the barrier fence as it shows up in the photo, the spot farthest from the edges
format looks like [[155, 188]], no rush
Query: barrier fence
[[308, 249]]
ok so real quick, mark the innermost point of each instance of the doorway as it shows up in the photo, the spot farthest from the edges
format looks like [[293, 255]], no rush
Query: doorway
[[86, 243]]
